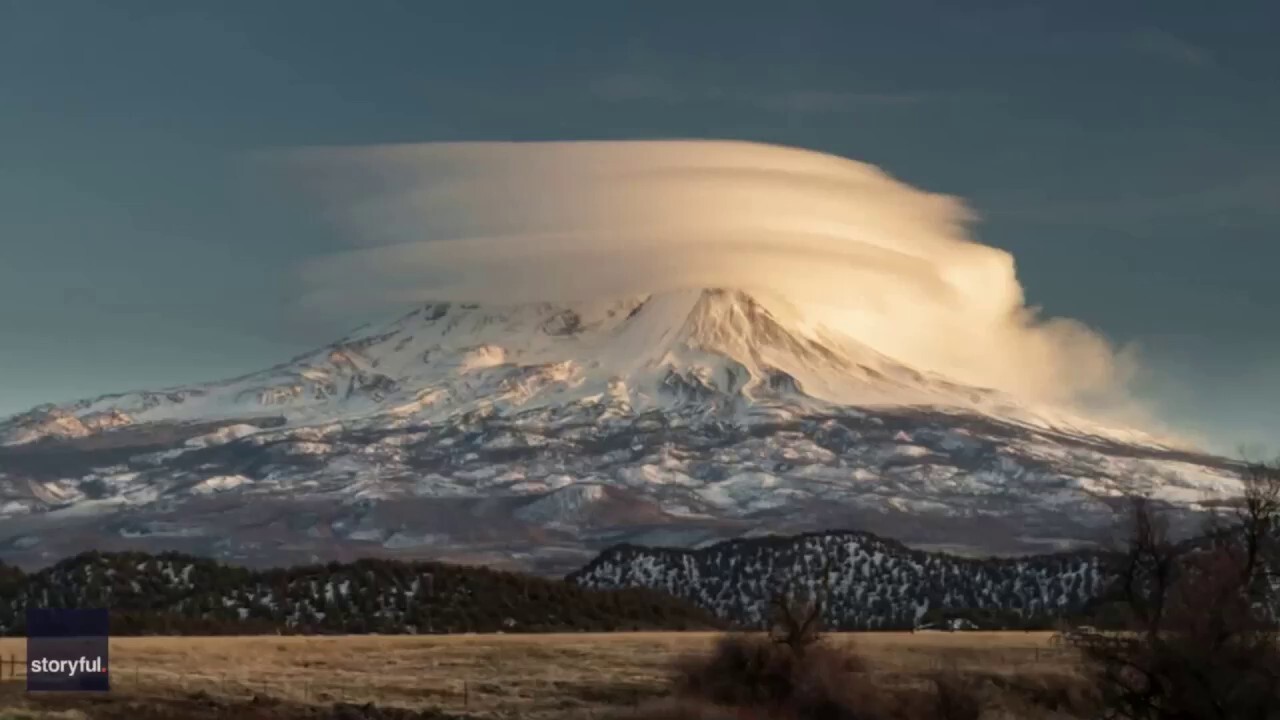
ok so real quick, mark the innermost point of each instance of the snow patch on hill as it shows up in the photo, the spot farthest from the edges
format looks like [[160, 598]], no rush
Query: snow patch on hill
[[867, 582]]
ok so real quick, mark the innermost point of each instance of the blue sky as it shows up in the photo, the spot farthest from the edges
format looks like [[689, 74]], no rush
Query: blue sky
[[1125, 153]]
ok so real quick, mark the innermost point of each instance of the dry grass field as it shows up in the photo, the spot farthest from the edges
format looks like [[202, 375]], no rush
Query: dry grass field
[[498, 676]]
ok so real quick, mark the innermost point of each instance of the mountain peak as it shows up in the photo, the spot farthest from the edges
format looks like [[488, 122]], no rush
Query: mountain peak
[[718, 351], [735, 322], [465, 430]]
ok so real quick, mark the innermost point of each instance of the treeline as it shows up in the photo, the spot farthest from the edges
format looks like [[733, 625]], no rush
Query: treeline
[[173, 593], [868, 582]]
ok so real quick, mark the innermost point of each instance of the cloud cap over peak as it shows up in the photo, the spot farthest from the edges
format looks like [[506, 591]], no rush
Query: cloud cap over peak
[[889, 264]]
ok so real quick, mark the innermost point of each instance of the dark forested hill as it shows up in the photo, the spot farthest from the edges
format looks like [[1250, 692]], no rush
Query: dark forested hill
[[173, 593], [869, 582]]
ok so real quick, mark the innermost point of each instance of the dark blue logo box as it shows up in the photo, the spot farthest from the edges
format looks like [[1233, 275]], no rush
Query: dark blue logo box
[[67, 650]]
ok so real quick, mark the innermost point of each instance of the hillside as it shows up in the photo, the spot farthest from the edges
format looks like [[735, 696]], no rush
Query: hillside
[[869, 582], [535, 436], [178, 594]]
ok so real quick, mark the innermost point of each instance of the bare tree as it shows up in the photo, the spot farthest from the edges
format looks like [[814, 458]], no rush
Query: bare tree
[[798, 613], [1201, 640], [1147, 572], [1258, 516]]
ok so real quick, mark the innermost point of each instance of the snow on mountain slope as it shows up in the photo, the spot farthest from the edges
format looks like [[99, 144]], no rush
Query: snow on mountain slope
[[536, 434], [720, 349]]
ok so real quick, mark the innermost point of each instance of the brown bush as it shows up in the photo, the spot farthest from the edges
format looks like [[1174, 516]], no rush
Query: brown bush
[[1040, 694], [954, 698], [772, 680], [755, 671]]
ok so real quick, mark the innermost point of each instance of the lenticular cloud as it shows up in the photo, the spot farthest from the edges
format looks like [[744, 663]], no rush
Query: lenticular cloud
[[858, 251]]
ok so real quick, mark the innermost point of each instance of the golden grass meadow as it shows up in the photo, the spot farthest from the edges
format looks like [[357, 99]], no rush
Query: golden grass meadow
[[497, 676]]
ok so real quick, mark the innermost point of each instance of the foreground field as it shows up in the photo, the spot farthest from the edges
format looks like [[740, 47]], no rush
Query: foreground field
[[499, 676]]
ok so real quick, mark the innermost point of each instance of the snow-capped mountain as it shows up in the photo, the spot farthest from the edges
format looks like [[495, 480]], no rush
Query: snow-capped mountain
[[536, 434], [708, 353]]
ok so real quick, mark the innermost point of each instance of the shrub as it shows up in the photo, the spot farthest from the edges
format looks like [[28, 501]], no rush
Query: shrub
[[748, 670], [773, 680]]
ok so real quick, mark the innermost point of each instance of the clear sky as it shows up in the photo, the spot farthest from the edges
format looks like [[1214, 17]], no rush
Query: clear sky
[[1126, 153]]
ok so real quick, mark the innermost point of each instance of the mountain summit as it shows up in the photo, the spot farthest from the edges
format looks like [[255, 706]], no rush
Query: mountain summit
[[723, 352], [534, 434]]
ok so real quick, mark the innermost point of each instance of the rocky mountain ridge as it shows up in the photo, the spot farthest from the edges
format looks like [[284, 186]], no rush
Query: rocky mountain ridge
[[534, 436]]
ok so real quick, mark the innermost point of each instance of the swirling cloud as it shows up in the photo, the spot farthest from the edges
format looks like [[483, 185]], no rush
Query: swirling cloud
[[889, 264]]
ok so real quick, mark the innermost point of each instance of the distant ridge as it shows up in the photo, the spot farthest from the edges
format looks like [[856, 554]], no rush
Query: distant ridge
[[177, 594], [873, 584]]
